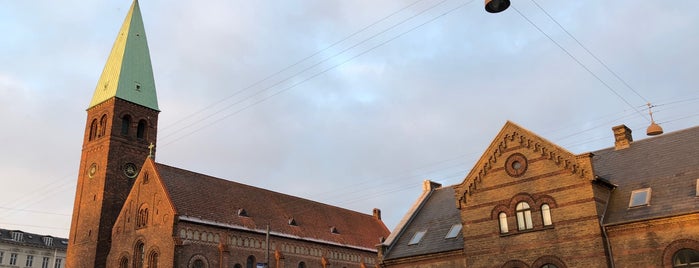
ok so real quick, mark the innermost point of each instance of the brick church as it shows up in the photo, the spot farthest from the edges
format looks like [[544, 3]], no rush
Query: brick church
[[531, 203], [131, 211]]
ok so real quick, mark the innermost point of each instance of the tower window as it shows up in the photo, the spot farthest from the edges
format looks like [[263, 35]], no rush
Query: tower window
[[141, 130], [103, 126], [93, 130], [125, 124]]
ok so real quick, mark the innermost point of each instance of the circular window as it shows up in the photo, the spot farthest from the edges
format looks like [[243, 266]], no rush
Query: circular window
[[130, 170], [516, 165]]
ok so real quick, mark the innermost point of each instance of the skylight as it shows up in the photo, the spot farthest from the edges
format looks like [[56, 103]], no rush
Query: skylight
[[454, 231], [417, 237], [640, 197]]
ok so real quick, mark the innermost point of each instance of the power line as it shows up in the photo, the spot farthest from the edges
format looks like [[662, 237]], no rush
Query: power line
[[581, 64]]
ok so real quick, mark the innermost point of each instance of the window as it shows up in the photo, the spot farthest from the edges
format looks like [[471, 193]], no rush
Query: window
[[142, 219], [302, 265], [17, 236], [141, 129], [417, 237], [640, 197], [454, 231], [125, 124], [502, 219], [237, 265], [45, 262], [58, 263], [153, 259], [30, 261], [685, 258], [13, 258], [251, 263], [198, 264], [138, 255], [546, 215], [524, 216], [2, 255], [124, 262], [103, 126], [93, 130], [48, 241], [548, 265]]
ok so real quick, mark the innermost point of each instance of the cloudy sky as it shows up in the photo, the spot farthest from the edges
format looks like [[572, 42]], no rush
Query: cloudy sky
[[351, 103]]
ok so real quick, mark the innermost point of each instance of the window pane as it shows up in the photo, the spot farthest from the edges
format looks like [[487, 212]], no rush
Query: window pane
[[417, 237], [528, 219], [546, 214], [503, 223], [639, 197], [454, 231]]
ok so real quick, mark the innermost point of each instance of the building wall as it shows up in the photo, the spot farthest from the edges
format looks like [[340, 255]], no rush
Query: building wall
[[439, 260], [7, 249], [146, 217], [221, 247], [653, 243], [552, 176], [102, 183]]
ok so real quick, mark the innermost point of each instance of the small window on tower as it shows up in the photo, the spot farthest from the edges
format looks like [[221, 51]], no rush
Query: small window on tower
[[138, 86], [141, 130]]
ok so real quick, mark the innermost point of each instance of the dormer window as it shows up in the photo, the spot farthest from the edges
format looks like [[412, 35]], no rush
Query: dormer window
[[334, 230], [640, 197], [242, 212], [292, 222], [454, 231], [48, 241], [17, 236], [417, 237]]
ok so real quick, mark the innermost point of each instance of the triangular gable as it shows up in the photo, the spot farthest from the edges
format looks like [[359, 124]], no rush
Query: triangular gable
[[513, 135]]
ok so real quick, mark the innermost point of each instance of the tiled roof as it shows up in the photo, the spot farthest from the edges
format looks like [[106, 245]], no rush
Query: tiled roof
[[437, 216], [668, 164], [33, 240], [213, 200]]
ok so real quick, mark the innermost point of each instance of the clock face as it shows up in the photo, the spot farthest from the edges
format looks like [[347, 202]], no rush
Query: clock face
[[92, 170], [130, 170], [516, 165]]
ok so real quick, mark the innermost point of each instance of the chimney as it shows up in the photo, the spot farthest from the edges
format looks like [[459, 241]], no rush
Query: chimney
[[622, 137], [428, 185], [377, 214]]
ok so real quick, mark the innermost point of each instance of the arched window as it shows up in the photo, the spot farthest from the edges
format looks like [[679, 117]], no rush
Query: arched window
[[141, 129], [138, 255], [237, 265], [302, 265], [198, 261], [198, 264], [93, 130], [251, 263], [124, 262], [548, 265], [142, 219], [546, 214], [153, 259], [103, 126], [685, 258], [502, 219], [125, 124], [524, 216]]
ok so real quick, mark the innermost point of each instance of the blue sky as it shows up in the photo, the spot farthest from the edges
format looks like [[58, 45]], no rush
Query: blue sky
[[351, 103]]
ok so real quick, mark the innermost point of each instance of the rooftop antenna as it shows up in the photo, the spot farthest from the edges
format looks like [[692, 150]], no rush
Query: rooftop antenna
[[654, 129]]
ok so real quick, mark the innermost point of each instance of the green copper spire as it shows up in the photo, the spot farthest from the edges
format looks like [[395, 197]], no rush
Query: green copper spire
[[128, 74]]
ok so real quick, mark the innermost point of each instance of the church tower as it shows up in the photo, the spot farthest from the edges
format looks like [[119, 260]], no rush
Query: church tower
[[119, 135]]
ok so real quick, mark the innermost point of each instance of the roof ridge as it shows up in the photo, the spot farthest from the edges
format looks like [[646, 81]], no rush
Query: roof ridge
[[653, 138]]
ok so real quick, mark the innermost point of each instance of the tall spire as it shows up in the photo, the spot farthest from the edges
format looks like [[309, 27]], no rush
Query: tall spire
[[128, 74]]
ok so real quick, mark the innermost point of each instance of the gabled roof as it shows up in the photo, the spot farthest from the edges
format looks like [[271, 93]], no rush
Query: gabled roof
[[208, 200], [668, 164], [128, 73], [436, 216], [33, 240]]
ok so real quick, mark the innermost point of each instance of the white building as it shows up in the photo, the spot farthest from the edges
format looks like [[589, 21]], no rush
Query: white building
[[21, 249]]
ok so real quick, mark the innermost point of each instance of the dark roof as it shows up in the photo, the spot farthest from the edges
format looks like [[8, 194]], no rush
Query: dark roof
[[668, 164], [437, 216], [33, 240], [211, 200]]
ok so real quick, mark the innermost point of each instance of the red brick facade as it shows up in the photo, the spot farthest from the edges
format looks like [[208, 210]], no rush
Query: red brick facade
[[111, 145]]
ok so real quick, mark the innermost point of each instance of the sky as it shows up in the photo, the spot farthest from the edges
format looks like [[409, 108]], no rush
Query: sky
[[350, 103]]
